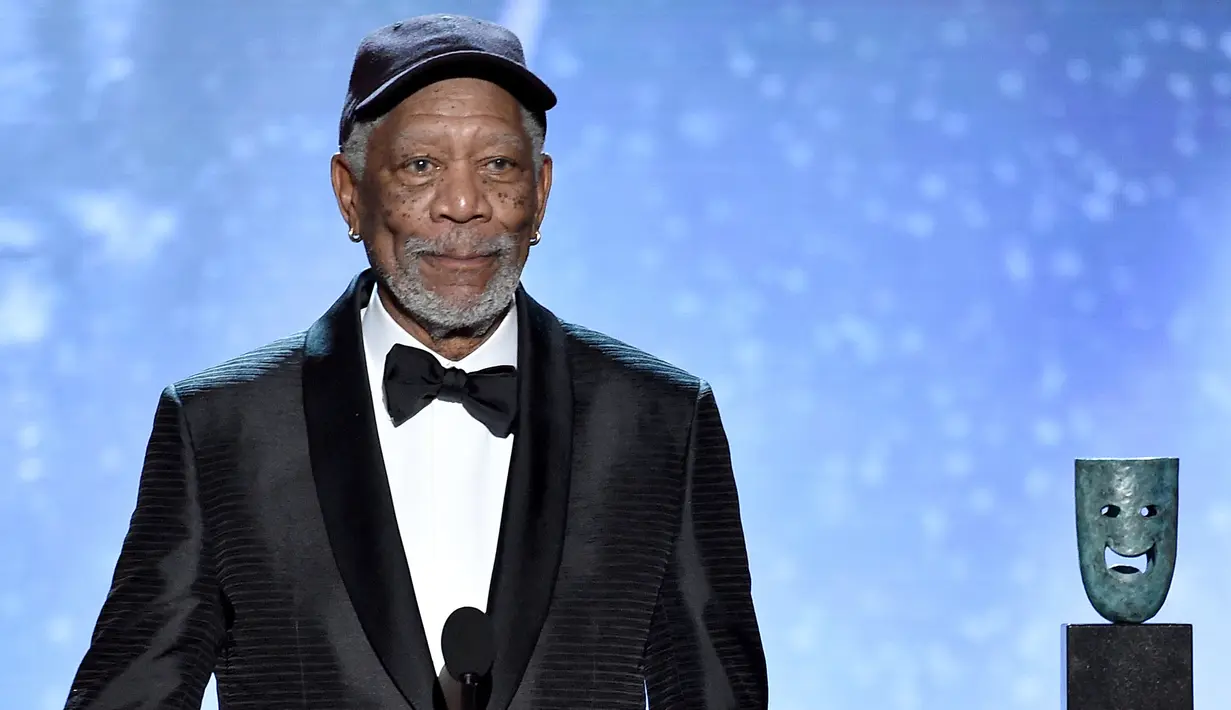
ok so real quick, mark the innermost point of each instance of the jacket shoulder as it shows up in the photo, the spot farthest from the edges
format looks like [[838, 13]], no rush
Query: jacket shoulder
[[272, 361], [608, 357]]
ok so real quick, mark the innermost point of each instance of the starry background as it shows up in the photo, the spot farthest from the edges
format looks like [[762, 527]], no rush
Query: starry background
[[927, 253]]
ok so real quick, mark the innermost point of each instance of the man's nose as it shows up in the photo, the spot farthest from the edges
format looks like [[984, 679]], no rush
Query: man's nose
[[460, 197]]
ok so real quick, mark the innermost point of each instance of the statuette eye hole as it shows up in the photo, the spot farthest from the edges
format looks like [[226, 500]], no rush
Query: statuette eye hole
[[1148, 511], [1110, 511]]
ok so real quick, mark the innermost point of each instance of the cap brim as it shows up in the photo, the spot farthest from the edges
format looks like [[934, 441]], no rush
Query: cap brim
[[514, 78]]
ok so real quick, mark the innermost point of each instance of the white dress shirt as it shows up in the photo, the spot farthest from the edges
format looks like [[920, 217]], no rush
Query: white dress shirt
[[447, 474]]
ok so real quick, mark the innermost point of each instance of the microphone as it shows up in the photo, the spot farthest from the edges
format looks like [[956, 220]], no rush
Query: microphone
[[468, 644]]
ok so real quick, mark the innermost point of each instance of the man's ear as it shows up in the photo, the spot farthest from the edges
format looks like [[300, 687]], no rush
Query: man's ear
[[345, 190], [544, 190]]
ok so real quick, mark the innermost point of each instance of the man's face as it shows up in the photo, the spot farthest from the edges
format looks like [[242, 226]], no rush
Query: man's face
[[448, 203]]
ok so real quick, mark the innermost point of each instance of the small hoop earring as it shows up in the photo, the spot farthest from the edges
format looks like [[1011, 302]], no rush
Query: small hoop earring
[[536, 238], [354, 236]]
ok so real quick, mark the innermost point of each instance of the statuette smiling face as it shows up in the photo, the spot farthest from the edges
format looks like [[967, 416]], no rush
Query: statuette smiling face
[[1126, 534]]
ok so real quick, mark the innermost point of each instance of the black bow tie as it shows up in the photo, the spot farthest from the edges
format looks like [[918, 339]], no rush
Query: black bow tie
[[414, 377]]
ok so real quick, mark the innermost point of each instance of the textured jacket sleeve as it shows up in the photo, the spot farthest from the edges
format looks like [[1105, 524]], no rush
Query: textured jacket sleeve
[[157, 637], [704, 649]]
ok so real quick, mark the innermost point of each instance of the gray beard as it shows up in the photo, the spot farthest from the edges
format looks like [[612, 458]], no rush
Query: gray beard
[[441, 316]]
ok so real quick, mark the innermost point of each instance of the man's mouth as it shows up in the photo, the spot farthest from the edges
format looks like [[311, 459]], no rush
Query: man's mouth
[[1126, 565], [459, 261]]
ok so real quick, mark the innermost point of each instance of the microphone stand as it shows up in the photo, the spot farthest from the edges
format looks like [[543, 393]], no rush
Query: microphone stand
[[470, 691]]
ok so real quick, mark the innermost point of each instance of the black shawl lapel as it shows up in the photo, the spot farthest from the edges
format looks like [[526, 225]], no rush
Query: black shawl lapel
[[536, 497], [354, 495]]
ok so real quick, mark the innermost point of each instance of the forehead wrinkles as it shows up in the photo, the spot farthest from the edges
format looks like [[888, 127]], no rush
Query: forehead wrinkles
[[460, 97], [456, 133]]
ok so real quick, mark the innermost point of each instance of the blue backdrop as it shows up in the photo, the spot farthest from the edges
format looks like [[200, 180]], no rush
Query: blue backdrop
[[927, 253]]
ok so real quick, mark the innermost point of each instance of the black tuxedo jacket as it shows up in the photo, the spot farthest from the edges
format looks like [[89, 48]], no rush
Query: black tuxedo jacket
[[264, 549]]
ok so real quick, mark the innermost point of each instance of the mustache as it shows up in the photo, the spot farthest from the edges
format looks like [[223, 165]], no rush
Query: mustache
[[460, 244]]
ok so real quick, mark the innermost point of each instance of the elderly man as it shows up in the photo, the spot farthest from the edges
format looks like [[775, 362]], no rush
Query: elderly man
[[311, 513]]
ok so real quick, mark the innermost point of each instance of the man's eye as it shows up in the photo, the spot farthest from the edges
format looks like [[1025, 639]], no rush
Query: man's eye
[[419, 165], [499, 164]]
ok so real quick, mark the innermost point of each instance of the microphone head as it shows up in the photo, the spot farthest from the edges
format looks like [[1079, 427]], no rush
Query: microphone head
[[468, 643]]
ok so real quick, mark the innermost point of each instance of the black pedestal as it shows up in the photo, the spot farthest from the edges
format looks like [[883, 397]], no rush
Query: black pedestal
[[1128, 666]]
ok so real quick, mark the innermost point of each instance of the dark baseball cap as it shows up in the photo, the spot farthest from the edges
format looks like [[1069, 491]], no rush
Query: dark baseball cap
[[395, 61]]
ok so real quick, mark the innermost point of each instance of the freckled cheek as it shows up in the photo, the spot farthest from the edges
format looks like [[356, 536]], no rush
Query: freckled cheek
[[402, 212], [513, 205]]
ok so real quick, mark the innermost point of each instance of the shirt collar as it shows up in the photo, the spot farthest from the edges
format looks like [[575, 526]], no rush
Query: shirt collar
[[381, 333]]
